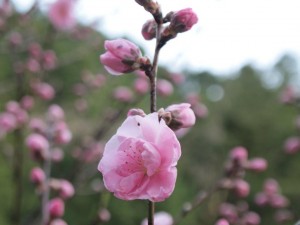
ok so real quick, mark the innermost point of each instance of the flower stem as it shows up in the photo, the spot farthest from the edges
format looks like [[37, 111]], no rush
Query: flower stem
[[151, 210]]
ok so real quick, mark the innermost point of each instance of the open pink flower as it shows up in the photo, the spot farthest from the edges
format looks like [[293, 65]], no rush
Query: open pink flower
[[121, 57], [61, 14], [139, 161]]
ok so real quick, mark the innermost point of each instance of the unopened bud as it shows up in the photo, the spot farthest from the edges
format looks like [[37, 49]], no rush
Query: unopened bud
[[149, 30]]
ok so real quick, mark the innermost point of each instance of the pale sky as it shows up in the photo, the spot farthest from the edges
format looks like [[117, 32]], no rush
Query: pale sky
[[229, 33]]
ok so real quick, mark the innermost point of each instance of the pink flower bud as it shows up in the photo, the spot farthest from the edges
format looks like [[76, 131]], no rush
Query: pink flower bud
[[33, 65], [261, 199], [56, 207], [149, 30], [58, 222], [121, 56], [123, 94], [61, 14], [283, 216], [183, 20], [104, 215], [27, 102], [164, 87], [55, 113], [257, 164], [160, 218], [37, 175], [228, 211], [292, 145], [241, 188], [62, 133], [38, 145], [141, 86], [57, 155], [66, 189], [35, 50], [49, 60], [271, 187], [200, 110], [251, 218], [222, 222], [8, 122], [182, 116], [136, 112], [239, 154], [37, 125], [177, 78], [278, 201], [44, 90]]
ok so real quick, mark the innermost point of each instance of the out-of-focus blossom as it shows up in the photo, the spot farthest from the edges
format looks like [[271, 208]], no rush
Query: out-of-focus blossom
[[37, 175], [44, 90], [58, 221], [55, 113], [66, 189], [160, 218], [38, 145], [292, 145], [222, 222], [27, 102], [141, 86], [240, 154], [139, 163], [56, 207], [61, 14], [123, 94], [241, 188], [257, 164], [104, 215], [136, 112], [164, 87], [49, 60], [251, 218]]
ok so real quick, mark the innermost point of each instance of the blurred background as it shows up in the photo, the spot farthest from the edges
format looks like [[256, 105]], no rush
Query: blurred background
[[238, 67]]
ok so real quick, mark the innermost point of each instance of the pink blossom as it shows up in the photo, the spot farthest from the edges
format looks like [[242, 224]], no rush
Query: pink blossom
[[228, 211], [177, 78], [27, 102], [37, 175], [241, 188], [38, 145], [123, 94], [61, 14], [57, 155], [56, 207], [183, 20], [104, 215], [164, 87], [292, 145], [58, 221], [222, 222], [149, 30], [139, 161], [182, 116], [8, 122], [35, 50], [62, 133], [66, 189], [141, 86], [136, 112], [200, 110], [49, 60], [56, 113], [37, 125], [120, 57], [160, 218], [239, 154], [44, 90], [33, 65], [257, 164], [271, 187], [261, 199], [278, 201], [251, 218]]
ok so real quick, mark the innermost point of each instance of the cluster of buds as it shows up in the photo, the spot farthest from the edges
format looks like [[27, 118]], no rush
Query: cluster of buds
[[179, 22], [238, 214], [271, 197], [43, 145], [235, 170], [15, 115]]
